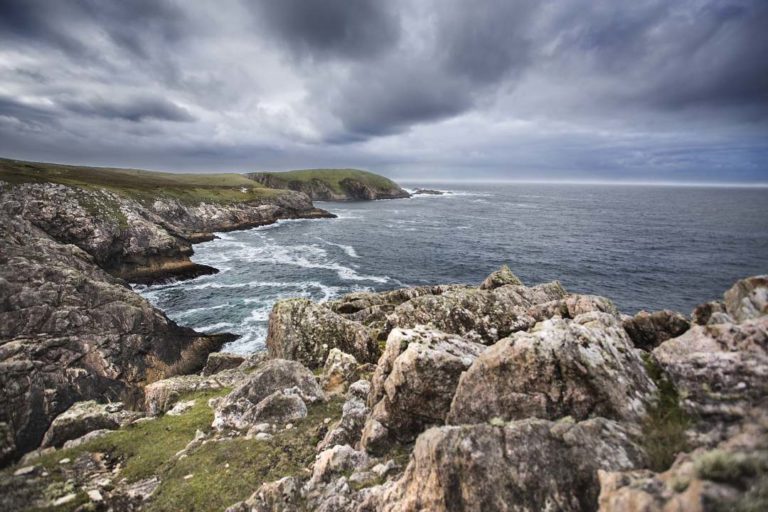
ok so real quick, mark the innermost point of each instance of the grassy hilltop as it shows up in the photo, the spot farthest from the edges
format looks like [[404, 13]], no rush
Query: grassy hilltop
[[333, 184], [138, 184]]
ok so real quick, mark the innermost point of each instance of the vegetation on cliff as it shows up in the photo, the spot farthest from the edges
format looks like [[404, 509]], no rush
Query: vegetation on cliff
[[333, 184]]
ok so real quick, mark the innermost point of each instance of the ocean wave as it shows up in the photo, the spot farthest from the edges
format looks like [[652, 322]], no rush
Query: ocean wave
[[346, 248]]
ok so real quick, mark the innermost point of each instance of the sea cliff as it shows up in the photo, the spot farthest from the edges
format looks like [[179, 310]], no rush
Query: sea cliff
[[333, 184]]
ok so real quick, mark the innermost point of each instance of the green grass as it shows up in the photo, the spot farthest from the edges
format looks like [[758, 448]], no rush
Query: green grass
[[666, 422], [333, 178], [140, 185], [229, 471]]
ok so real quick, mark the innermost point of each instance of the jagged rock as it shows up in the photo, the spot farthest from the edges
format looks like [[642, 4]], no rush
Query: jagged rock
[[572, 306], [284, 383], [162, 395], [648, 330], [220, 361], [340, 369], [582, 367], [529, 464], [335, 461], [414, 384], [480, 315], [306, 332], [84, 417], [747, 299], [720, 370], [710, 312], [283, 495], [734, 476], [354, 412], [501, 277]]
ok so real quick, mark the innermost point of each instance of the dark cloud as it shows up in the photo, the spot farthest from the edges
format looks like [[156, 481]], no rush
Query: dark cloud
[[133, 109], [331, 28], [496, 84]]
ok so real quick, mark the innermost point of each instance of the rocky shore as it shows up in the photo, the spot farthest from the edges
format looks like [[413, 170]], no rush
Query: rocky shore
[[443, 398], [71, 329]]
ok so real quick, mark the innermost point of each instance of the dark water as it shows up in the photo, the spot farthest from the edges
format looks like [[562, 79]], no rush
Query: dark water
[[645, 247]]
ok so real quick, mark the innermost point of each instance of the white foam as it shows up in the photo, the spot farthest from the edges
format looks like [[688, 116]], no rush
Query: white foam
[[215, 327], [346, 248]]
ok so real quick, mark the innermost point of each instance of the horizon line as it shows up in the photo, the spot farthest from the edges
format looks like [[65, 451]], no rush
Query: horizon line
[[693, 184]]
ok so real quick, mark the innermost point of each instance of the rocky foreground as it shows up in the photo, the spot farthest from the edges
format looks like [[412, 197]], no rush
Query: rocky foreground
[[443, 398]]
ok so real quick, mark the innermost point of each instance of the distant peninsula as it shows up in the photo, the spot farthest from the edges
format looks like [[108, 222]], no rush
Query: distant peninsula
[[333, 184]]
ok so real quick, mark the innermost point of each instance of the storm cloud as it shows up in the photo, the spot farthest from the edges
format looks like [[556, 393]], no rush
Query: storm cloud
[[632, 90]]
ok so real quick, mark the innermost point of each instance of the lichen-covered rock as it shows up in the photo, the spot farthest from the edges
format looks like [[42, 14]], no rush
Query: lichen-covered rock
[[747, 299], [414, 384], [220, 361], [84, 417], [733, 476], [649, 330], [282, 383], [720, 370], [303, 331], [582, 367], [710, 312], [335, 461], [527, 465], [339, 371], [162, 395], [354, 412], [501, 277], [480, 315]]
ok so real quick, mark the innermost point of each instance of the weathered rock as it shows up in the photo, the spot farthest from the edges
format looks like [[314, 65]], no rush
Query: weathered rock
[[162, 395], [339, 371], [501, 277], [581, 368], [480, 315], [220, 361], [747, 299], [354, 412], [283, 495], [414, 384], [84, 417], [734, 476], [710, 312], [572, 306], [284, 383], [335, 461], [529, 465], [648, 330], [721, 371], [306, 332]]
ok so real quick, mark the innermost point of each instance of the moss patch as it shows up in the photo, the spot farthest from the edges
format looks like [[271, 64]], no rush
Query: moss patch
[[666, 422]]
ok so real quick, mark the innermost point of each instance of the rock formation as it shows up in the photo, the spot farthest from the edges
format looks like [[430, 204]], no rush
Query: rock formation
[[492, 398]]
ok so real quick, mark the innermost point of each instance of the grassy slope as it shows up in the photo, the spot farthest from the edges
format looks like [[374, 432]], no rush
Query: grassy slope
[[138, 184], [223, 472], [333, 177]]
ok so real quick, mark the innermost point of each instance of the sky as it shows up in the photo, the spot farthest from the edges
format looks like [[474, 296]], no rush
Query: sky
[[618, 90]]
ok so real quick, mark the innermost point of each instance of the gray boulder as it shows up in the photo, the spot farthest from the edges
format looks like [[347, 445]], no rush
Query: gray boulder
[[501, 277], [581, 368], [303, 331], [85, 417]]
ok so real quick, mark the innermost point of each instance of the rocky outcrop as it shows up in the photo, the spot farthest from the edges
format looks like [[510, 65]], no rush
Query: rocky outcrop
[[333, 185], [649, 330], [306, 332], [71, 332], [527, 465], [143, 242], [501, 277], [220, 361], [85, 417], [414, 383], [580, 368], [276, 392]]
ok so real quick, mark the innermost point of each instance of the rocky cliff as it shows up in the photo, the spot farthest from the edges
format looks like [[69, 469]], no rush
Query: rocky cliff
[[333, 184], [71, 329], [445, 398]]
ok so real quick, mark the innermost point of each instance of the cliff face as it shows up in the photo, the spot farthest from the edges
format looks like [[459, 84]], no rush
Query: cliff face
[[143, 242], [333, 185], [70, 327]]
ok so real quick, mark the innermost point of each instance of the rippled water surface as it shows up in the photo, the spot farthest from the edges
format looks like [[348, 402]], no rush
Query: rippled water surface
[[645, 247]]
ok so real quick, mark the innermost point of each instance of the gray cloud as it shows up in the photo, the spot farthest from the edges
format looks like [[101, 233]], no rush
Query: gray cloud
[[133, 109], [504, 86]]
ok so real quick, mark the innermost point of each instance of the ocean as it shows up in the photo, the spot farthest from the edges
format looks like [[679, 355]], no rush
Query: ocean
[[644, 247]]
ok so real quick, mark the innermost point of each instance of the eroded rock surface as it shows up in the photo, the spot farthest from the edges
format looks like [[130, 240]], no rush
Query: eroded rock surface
[[649, 330], [582, 367]]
